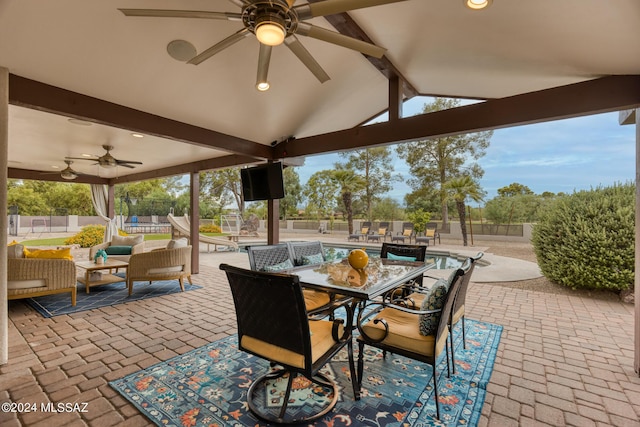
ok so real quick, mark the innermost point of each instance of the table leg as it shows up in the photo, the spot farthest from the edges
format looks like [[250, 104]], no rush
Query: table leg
[[86, 281]]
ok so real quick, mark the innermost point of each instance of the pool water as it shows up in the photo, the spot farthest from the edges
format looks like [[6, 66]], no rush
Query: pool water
[[442, 262]]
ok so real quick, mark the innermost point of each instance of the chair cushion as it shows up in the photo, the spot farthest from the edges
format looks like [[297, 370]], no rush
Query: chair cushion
[[382, 230], [284, 265], [118, 250], [364, 230], [15, 251], [315, 299], [312, 259], [178, 243], [430, 232], [434, 301], [127, 240], [400, 257], [48, 253], [26, 284], [165, 270], [403, 332], [407, 232]]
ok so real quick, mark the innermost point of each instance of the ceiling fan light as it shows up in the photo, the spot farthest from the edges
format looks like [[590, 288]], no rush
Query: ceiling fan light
[[477, 4], [263, 86], [270, 33], [68, 175]]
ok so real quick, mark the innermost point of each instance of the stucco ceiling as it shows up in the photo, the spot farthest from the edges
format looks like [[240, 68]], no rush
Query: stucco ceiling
[[438, 46]]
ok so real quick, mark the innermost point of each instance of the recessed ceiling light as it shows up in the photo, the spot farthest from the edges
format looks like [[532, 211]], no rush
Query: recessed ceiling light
[[87, 155], [55, 167], [477, 4], [80, 122], [137, 135]]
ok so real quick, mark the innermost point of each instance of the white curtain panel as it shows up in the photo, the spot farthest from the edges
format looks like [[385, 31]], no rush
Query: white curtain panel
[[99, 197]]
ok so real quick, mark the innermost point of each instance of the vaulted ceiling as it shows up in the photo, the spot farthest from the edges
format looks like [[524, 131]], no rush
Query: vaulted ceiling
[[84, 59]]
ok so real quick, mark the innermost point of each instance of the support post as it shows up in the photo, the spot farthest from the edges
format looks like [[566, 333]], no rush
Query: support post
[[273, 221], [636, 363], [395, 98], [4, 157], [194, 226]]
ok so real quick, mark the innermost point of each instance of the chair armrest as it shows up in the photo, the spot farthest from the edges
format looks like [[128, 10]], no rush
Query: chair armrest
[[57, 273], [137, 249], [141, 263], [96, 248]]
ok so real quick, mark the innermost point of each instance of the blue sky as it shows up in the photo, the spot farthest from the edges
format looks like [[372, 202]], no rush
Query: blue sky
[[559, 156]]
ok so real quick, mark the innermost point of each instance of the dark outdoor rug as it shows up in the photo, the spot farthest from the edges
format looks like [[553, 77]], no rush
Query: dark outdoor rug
[[103, 296], [207, 387]]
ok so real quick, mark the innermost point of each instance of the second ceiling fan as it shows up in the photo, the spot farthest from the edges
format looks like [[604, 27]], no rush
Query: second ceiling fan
[[107, 160], [274, 22]]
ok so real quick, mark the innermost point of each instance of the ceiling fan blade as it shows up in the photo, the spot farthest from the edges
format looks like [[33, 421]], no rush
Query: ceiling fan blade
[[331, 7], [127, 165], [241, 3], [133, 162], [232, 39], [305, 57], [264, 58], [82, 158], [165, 13], [313, 31]]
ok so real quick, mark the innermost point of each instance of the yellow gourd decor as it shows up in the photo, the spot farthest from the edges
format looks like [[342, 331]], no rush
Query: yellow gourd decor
[[358, 259]]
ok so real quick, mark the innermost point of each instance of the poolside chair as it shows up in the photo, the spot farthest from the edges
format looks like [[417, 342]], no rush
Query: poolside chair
[[406, 233], [273, 324], [417, 334], [430, 233], [278, 258], [364, 231], [383, 231]]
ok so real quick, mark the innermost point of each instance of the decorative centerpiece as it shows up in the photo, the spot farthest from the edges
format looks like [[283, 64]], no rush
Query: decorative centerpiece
[[100, 257], [358, 259]]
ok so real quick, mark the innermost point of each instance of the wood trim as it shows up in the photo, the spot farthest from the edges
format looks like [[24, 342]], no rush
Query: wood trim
[[601, 95], [43, 97]]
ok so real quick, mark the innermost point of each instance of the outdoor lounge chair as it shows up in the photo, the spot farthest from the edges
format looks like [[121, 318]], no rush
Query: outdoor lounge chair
[[417, 334], [406, 233], [364, 231], [383, 231], [430, 233], [273, 324]]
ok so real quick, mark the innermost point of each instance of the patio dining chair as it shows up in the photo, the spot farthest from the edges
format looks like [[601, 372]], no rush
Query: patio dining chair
[[417, 334], [401, 252], [307, 253], [279, 258], [273, 324]]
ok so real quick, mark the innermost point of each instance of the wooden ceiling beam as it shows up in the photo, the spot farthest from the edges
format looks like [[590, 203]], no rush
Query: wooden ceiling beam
[[345, 24], [43, 97], [606, 94]]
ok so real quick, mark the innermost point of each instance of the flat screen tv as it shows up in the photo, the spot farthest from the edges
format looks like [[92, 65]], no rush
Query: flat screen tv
[[263, 182]]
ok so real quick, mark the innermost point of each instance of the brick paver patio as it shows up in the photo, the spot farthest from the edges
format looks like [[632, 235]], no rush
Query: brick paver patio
[[563, 359]]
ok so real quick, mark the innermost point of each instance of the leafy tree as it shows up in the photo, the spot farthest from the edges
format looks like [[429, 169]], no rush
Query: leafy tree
[[461, 189], [374, 165], [29, 202], [514, 209], [320, 191], [388, 208], [292, 193], [433, 162], [348, 183], [514, 189], [222, 187]]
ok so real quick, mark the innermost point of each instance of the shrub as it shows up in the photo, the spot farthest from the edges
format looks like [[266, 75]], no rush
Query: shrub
[[90, 235], [586, 240], [210, 228]]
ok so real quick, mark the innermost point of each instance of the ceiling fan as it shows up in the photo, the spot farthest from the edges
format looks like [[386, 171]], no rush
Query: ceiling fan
[[107, 160], [274, 22], [67, 173]]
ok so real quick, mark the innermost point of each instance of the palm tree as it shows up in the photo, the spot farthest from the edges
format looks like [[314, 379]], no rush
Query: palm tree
[[459, 189]]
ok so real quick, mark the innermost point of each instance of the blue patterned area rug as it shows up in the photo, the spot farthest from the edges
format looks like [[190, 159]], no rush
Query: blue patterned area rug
[[208, 386], [103, 296]]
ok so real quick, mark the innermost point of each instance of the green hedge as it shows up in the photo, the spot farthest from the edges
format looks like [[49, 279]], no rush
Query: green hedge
[[586, 240]]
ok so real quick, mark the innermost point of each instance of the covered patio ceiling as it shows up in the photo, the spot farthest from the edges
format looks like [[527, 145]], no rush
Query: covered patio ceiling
[[77, 59]]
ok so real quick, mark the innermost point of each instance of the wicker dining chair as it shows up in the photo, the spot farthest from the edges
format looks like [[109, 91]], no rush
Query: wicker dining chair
[[273, 324]]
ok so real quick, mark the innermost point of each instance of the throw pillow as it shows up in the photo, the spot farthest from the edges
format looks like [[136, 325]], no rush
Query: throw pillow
[[177, 243], [312, 259], [364, 230], [15, 251], [400, 257], [127, 240], [285, 265], [48, 253], [118, 250], [434, 301], [406, 233], [430, 233], [382, 231]]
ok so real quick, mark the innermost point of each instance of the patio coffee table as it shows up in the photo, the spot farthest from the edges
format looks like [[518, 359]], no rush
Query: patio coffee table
[[106, 278]]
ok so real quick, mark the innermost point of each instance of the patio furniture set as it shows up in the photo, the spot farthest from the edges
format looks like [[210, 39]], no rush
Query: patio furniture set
[[34, 273], [385, 301], [407, 234]]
